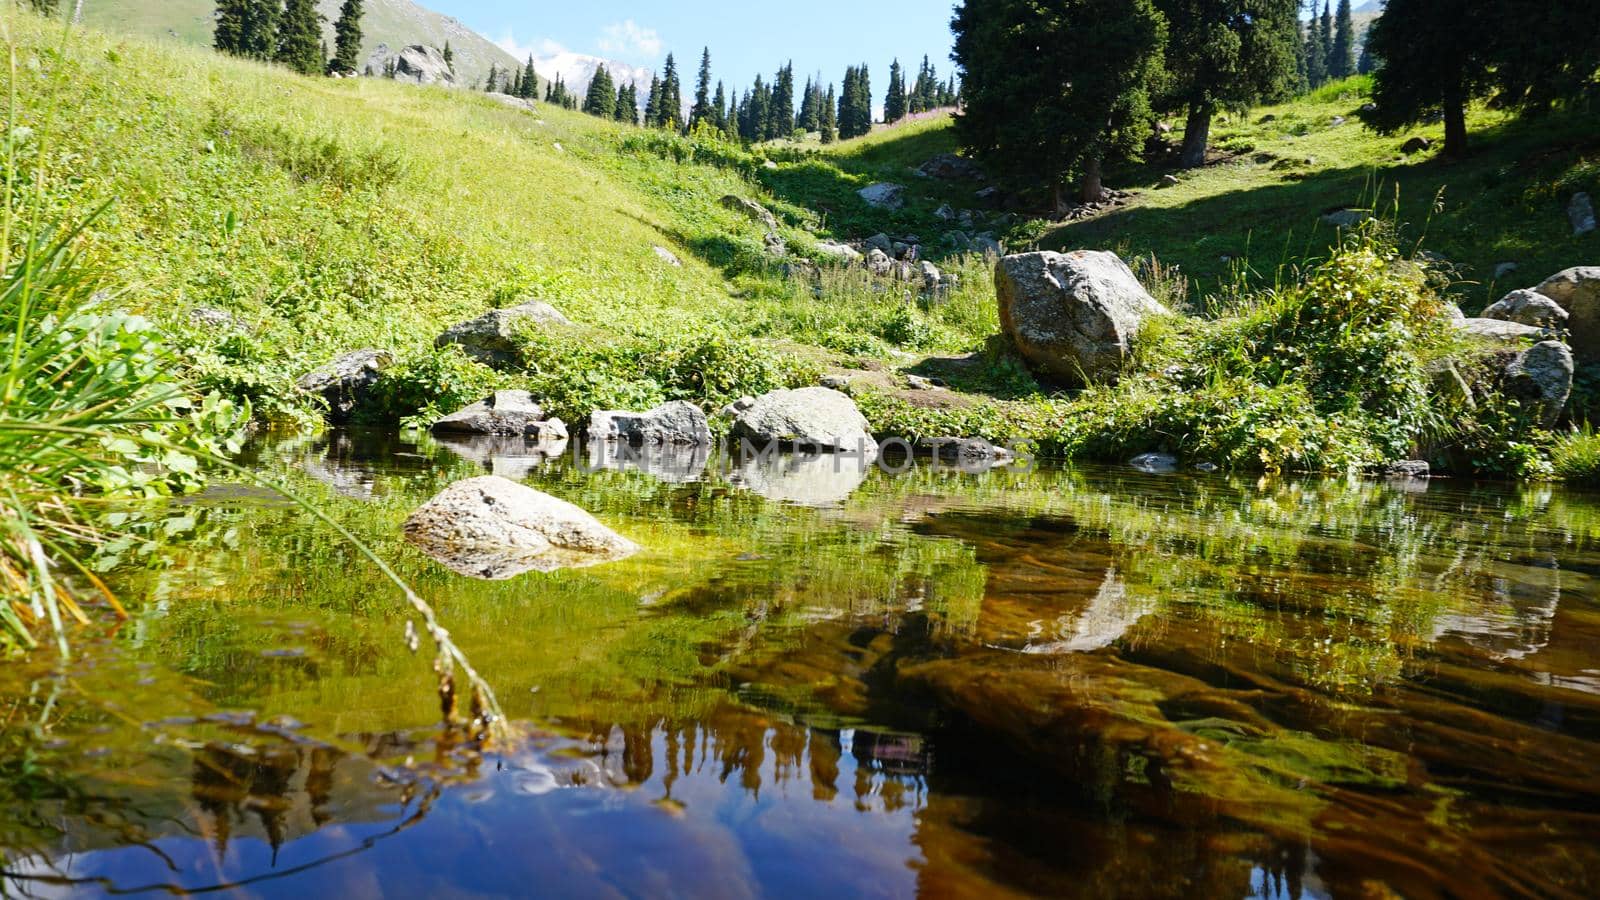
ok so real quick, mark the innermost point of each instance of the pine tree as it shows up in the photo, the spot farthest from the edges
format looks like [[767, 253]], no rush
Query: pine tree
[[652, 107], [1342, 59], [1083, 98], [300, 38], [45, 7], [808, 110], [670, 112], [347, 39], [861, 105], [894, 103], [1368, 63], [760, 111], [449, 58], [514, 87], [247, 28], [601, 98], [1223, 53], [1325, 37], [701, 111], [829, 119], [530, 82]]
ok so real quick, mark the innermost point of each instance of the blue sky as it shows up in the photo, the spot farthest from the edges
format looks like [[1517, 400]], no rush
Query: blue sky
[[745, 37]]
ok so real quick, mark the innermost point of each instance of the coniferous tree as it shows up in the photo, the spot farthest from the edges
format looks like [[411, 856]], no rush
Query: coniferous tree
[[1325, 37], [719, 109], [1083, 98], [701, 111], [1315, 57], [300, 38], [231, 21], [530, 81], [894, 102], [808, 111], [601, 98], [449, 58], [1342, 58], [1223, 53], [347, 39], [652, 106], [669, 114], [1437, 56], [1367, 63], [45, 7], [780, 115], [829, 119]]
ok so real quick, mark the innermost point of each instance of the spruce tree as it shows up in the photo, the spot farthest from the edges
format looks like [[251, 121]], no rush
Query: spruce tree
[[652, 106], [701, 111], [1316, 59], [894, 102], [1325, 38], [258, 32], [1368, 63], [670, 112], [45, 7], [829, 119], [601, 98], [719, 109], [780, 117], [530, 81], [232, 19], [1437, 56], [760, 111], [449, 58], [808, 109], [347, 39], [1083, 98], [1225, 53], [1342, 59], [300, 38]]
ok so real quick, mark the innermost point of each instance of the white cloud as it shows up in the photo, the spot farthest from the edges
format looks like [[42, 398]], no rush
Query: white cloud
[[538, 49], [628, 38]]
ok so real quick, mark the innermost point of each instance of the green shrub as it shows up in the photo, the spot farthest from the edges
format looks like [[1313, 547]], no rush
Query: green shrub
[[1575, 457], [419, 390]]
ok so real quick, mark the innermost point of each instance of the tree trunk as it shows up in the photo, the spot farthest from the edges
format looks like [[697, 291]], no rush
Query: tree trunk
[[1196, 136], [1093, 191], [1455, 124]]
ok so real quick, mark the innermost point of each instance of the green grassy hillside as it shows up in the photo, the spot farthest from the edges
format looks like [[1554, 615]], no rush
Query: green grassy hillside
[[396, 23], [325, 216]]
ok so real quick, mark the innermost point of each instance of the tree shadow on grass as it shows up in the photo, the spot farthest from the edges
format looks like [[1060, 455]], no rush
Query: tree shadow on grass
[[1503, 203]]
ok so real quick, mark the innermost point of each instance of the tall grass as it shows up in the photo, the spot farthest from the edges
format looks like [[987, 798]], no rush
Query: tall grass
[[94, 408]]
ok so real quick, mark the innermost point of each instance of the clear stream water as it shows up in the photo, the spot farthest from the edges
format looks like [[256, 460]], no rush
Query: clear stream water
[[1069, 682]]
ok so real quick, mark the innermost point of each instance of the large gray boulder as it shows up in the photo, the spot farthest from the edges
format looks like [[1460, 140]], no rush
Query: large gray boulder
[[1074, 315], [1528, 308], [422, 65], [814, 418], [678, 422], [1578, 291], [1501, 331], [1542, 377], [504, 413], [751, 210], [948, 167], [345, 382], [883, 196], [491, 527], [493, 338], [837, 252]]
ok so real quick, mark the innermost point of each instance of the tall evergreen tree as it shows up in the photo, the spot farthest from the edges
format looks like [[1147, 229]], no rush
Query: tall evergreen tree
[[1367, 63], [530, 81], [232, 18], [347, 39], [1083, 98], [780, 116], [1342, 57], [300, 38], [248, 28], [1325, 37], [1437, 56], [828, 125], [894, 102], [449, 58], [652, 106], [669, 114], [760, 116], [719, 108], [492, 80], [808, 109], [1223, 53], [601, 99], [1316, 58], [701, 111], [45, 7]]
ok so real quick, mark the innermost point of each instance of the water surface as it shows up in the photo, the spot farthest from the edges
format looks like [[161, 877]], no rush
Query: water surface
[[1071, 682]]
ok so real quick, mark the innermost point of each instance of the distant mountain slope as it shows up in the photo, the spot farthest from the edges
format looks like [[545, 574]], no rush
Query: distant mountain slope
[[578, 69], [395, 23]]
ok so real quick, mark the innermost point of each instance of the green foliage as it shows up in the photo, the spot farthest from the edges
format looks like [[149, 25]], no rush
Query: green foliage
[[347, 40], [1575, 457], [601, 99], [433, 383], [300, 38]]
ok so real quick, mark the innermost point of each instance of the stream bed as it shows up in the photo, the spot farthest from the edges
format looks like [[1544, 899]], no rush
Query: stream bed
[[1075, 682]]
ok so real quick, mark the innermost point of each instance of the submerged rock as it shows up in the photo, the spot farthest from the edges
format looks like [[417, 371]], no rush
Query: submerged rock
[[1407, 468], [504, 413], [492, 528], [508, 456], [670, 463], [803, 479], [1074, 315], [493, 338], [345, 383], [1155, 463], [678, 422], [814, 418]]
